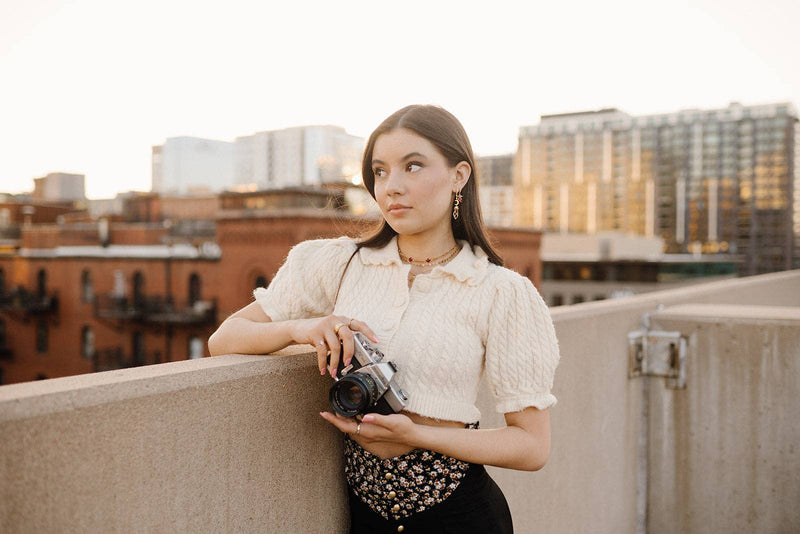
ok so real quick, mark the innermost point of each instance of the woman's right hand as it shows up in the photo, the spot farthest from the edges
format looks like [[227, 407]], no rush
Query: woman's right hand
[[321, 332]]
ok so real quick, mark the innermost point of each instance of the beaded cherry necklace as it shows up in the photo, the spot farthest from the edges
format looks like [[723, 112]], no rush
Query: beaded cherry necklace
[[444, 258]]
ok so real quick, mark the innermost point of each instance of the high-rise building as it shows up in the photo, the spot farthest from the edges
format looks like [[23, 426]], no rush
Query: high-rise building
[[705, 181], [186, 165], [496, 190], [60, 187], [299, 156]]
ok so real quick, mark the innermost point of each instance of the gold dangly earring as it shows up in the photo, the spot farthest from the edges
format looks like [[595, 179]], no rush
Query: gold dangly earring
[[458, 201]]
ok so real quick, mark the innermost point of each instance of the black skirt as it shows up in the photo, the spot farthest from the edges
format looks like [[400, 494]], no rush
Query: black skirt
[[477, 505]]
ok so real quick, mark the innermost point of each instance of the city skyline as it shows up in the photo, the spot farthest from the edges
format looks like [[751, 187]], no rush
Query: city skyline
[[94, 86]]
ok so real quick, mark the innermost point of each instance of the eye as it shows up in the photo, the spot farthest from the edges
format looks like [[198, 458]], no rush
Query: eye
[[378, 172], [413, 166]]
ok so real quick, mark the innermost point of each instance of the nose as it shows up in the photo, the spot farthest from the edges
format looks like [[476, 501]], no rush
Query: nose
[[395, 185]]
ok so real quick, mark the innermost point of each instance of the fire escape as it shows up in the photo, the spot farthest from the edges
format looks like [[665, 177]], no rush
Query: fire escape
[[22, 304], [162, 314]]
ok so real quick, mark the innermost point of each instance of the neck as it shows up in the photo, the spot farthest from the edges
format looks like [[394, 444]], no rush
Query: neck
[[425, 247]]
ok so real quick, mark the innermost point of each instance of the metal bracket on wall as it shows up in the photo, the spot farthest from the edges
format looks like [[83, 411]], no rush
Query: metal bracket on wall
[[658, 353]]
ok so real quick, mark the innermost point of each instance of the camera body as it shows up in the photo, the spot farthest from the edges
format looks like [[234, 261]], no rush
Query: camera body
[[366, 385]]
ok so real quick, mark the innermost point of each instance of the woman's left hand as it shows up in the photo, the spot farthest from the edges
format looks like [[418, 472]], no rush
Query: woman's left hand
[[394, 428]]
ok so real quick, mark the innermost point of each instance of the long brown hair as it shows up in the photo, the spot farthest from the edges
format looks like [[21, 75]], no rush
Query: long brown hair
[[446, 133]]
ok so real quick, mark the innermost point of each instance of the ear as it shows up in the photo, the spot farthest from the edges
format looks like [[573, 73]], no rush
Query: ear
[[462, 173]]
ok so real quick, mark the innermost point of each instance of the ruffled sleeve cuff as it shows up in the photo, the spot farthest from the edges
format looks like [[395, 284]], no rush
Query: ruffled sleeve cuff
[[541, 401], [262, 297]]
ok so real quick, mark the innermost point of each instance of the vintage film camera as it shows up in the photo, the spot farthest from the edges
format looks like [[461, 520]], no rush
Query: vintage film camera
[[365, 386]]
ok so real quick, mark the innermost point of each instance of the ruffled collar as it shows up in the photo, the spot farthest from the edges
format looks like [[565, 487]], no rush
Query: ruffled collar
[[469, 266]]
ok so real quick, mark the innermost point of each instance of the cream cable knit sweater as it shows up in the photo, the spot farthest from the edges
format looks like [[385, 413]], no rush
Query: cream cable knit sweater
[[453, 323]]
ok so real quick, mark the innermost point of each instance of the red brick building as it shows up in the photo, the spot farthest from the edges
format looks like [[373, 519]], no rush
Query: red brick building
[[77, 298]]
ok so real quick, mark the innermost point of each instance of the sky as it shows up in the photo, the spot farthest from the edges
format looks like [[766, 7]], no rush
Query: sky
[[89, 86]]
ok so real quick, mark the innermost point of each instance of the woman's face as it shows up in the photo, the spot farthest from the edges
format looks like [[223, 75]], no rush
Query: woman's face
[[414, 184]]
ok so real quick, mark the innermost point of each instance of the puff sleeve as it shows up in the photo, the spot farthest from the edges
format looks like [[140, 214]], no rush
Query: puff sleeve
[[521, 347], [305, 285]]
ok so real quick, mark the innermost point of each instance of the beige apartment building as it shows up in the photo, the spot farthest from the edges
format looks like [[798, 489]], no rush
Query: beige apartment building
[[704, 181], [496, 191]]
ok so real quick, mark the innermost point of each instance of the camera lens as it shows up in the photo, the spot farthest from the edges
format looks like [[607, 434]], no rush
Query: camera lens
[[353, 394]]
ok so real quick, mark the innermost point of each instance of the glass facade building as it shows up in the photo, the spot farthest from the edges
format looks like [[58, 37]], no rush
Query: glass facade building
[[705, 181]]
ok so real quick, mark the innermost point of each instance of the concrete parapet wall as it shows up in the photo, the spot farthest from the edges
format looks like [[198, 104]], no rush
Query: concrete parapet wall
[[228, 444], [235, 443], [725, 451]]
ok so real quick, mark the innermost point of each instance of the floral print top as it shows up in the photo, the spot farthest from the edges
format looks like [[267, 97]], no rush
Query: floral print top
[[403, 485]]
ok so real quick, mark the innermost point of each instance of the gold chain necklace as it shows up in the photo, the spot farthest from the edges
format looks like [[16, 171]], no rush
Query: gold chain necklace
[[444, 258]]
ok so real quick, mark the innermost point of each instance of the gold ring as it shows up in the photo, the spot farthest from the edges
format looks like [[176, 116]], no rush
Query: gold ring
[[337, 327], [358, 429], [350, 322]]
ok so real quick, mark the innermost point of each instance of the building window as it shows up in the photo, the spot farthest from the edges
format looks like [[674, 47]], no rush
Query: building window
[[41, 283], [2, 333], [138, 289], [137, 349], [41, 337], [118, 291], [41, 376], [196, 348], [194, 289], [261, 281], [87, 342], [557, 299], [577, 299], [87, 290]]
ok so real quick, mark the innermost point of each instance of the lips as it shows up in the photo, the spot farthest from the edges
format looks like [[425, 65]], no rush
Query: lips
[[397, 208]]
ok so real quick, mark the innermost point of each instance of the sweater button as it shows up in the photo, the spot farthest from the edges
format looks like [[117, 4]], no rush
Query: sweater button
[[401, 528]]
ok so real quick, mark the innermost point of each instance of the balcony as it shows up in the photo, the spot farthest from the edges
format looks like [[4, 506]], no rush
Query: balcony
[[10, 233], [166, 310], [235, 443], [156, 310], [22, 301]]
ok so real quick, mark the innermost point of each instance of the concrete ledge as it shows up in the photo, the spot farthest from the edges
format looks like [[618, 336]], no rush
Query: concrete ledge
[[773, 289], [56, 395], [731, 313]]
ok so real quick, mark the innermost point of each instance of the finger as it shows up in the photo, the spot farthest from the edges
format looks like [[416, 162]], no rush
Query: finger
[[348, 345], [373, 418], [335, 348], [362, 327], [345, 424], [382, 421], [322, 355]]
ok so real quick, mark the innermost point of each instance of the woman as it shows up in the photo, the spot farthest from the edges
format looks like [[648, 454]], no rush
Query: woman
[[430, 292]]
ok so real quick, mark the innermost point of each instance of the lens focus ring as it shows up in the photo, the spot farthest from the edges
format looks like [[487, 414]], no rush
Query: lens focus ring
[[353, 394]]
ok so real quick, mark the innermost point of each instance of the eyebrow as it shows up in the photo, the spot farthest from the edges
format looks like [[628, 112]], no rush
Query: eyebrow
[[405, 158]]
